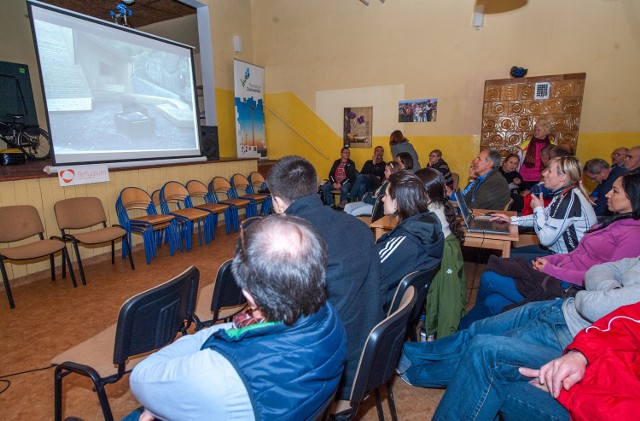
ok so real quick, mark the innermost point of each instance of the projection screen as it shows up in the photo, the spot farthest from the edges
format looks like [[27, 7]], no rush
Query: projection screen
[[113, 93]]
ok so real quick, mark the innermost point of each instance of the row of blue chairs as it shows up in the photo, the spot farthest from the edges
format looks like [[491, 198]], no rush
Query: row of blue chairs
[[170, 214]]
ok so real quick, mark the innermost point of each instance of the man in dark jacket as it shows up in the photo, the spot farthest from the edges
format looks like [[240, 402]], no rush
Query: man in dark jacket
[[353, 274], [341, 177], [489, 189]]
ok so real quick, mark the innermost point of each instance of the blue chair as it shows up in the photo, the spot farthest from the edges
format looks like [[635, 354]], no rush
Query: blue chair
[[198, 190], [220, 186], [175, 200], [240, 183], [151, 226]]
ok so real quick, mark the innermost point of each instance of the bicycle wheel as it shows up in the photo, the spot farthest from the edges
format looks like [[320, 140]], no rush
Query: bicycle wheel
[[35, 143]]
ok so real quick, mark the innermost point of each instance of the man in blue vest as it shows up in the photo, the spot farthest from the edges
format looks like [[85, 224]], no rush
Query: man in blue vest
[[282, 358]]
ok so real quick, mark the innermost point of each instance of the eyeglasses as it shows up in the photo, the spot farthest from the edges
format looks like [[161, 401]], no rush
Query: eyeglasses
[[244, 225]]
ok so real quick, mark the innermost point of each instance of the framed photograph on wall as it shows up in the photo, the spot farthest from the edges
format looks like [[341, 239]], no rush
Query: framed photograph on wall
[[418, 110], [357, 127]]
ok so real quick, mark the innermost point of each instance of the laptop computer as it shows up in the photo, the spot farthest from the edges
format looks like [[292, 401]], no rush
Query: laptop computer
[[483, 225]]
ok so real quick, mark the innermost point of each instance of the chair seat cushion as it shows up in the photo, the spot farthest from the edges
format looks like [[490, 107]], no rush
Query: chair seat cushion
[[96, 352], [100, 236], [32, 250]]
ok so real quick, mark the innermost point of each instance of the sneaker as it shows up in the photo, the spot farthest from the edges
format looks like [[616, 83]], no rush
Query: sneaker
[[342, 204]]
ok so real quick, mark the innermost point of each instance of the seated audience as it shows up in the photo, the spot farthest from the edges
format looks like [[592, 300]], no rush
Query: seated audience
[[632, 159], [597, 377], [599, 171], [282, 362], [399, 144], [366, 206], [437, 163], [531, 163], [416, 243], [489, 190], [618, 155], [405, 160], [510, 173], [369, 178], [353, 273], [476, 364], [560, 225], [341, 176], [507, 282], [447, 293]]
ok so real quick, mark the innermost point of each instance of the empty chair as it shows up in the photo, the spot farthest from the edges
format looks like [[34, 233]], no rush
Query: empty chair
[[258, 182], [221, 300], [380, 357], [150, 225], [87, 212], [147, 321], [174, 200], [19, 223], [421, 280], [207, 202], [243, 189], [219, 186]]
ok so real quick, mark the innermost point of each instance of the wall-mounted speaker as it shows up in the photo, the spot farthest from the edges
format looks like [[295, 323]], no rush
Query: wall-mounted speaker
[[209, 142]]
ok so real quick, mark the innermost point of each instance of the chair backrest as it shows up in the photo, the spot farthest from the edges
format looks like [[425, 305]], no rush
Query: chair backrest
[[382, 349], [456, 180], [19, 222], [153, 318], [508, 205], [135, 198], [257, 182], [226, 292], [79, 212], [378, 208], [220, 185], [197, 188], [240, 185], [420, 280]]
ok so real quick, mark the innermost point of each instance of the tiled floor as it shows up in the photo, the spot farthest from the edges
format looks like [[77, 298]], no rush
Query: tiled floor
[[52, 316]]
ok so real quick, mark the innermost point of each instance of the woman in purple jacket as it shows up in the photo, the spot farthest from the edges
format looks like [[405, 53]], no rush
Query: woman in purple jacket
[[615, 239]]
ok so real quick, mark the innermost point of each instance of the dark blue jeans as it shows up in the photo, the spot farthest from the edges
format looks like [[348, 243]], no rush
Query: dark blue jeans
[[495, 293], [363, 184], [328, 196], [530, 252], [479, 365]]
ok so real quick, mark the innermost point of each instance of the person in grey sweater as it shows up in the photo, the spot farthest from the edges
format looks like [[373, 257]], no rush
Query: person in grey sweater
[[399, 143]]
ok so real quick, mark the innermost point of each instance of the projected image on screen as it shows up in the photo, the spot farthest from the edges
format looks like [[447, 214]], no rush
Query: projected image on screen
[[114, 94]]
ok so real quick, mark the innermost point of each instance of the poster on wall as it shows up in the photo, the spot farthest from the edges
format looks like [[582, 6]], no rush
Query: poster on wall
[[357, 127], [418, 110], [249, 95]]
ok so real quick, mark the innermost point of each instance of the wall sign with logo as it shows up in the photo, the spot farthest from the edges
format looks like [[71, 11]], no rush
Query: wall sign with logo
[[83, 174]]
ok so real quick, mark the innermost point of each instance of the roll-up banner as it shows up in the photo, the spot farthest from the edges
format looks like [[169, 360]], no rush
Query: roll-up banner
[[249, 92]]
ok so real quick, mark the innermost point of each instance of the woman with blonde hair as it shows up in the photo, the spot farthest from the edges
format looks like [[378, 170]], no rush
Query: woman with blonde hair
[[560, 225]]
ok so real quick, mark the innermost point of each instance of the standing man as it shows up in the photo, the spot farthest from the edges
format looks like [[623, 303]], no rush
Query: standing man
[[353, 274], [370, 178], [489, 190], [341, 177], [599, 171]]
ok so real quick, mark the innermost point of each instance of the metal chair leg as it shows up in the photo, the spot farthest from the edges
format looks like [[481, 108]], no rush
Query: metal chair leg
[[7, 288], [80, 267]]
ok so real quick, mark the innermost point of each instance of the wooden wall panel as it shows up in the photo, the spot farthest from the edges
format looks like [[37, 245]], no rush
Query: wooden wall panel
[[43, 193], [510, 110]]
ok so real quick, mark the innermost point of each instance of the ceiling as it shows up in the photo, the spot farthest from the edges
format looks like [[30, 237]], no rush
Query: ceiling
[[144, 12]]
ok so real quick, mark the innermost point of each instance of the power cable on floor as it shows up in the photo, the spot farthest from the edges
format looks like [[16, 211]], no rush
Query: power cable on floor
[[8, 382]]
